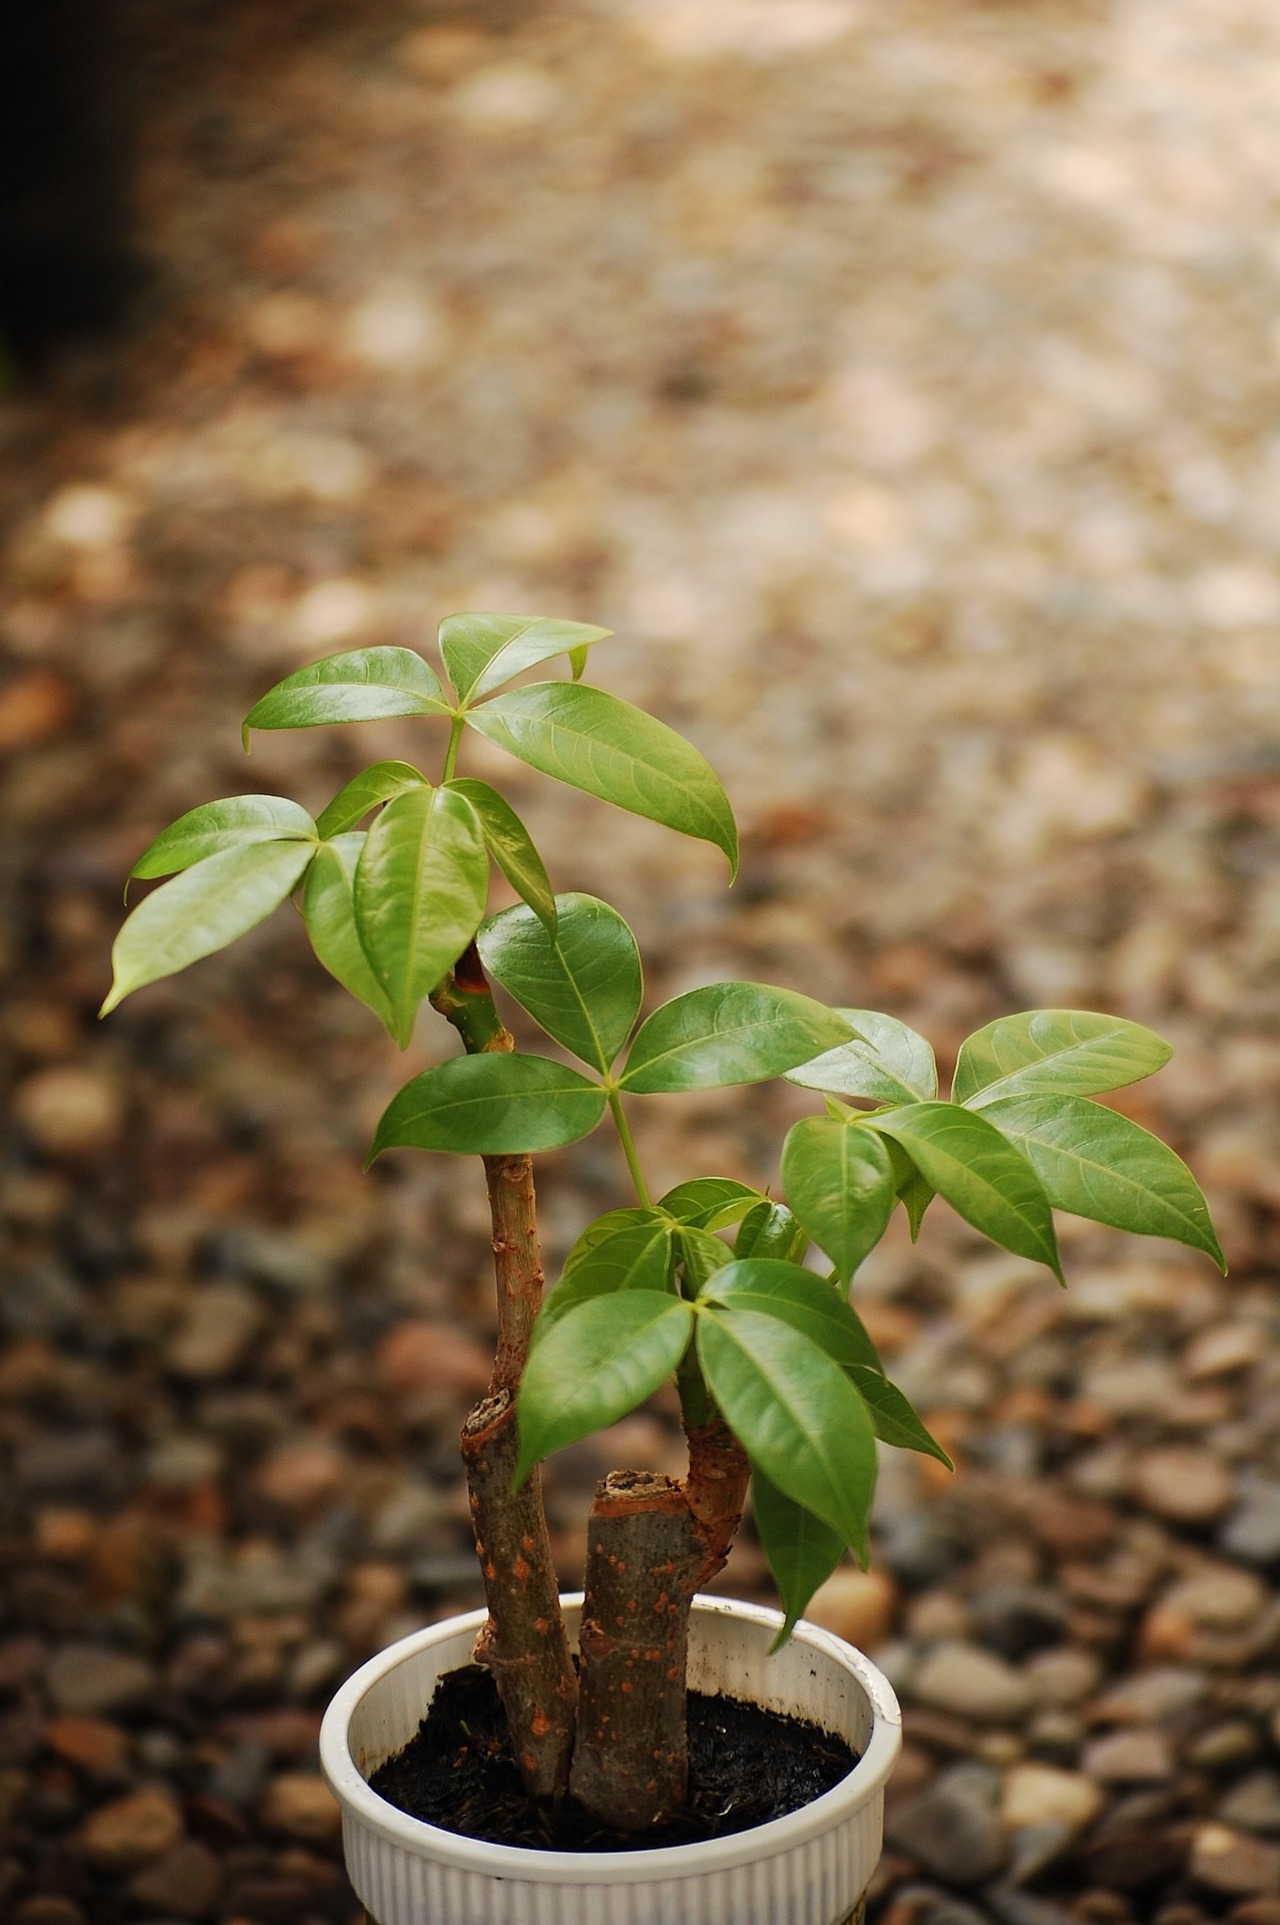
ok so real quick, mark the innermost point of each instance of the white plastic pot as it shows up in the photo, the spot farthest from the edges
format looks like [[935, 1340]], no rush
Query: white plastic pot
[[810, 1868]]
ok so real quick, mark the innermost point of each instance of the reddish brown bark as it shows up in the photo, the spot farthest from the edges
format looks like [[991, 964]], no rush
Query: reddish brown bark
[[716, 1491]]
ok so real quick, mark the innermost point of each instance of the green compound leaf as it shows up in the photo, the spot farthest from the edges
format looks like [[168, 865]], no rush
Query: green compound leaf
[[583, 985], [795, 1413], [363, 685], [801, 1549], [728, 1033], [1100, 1165], [511, 846], [885, 1063], [839, 1182], [771, 1230], [329, 911], [983, 1178], [366, 791], [494, 1105], [796, 1297], [233, 823], [597, 743], [481, 652], [710, 1202], [633, 1256], [203, 909], [1074, 1052], [420, 891], [892, 1416], [596, 1364]]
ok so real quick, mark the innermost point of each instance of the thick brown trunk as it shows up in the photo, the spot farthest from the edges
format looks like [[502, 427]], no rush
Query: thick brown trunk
[[630, 1762], [716, 1490]]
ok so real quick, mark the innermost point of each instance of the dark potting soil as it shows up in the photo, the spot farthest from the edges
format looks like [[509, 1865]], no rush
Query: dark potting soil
[[746, 1766]]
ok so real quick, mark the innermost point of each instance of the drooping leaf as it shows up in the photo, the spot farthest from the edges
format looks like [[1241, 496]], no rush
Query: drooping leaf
[[983, 1178], [885, 1063], [892, 1417], [771, 1230], [1074, 1052], [362, 685], [794, 1295], [481, 651], [635, 1256], [795, 1413], [366, 791], [329, 911], [910, 1188], [701, 1255], [596, 1364], [1098, 1164], [801, 1549], [203, 909], [511, 846], [420, 891], [578, 661], [497, 1104], [839, 1181], [583, 986], [727, 1033], [233, 823], [597, 743], [710, 1202]]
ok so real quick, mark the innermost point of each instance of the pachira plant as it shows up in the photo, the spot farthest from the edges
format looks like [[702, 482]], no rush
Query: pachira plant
[[738, 1297]]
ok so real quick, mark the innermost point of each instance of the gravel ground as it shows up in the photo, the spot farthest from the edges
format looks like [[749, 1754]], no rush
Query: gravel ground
[[900, 382]]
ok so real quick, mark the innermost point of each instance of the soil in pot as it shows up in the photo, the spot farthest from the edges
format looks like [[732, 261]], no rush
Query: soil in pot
[[746, 1766]]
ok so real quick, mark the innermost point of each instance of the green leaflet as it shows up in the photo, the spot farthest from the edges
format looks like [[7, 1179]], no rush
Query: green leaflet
[[914, 1194], [597, 743], [494, 1105], [795, 1413], [892, 1416], [801, 1549], [1098, 1164], [839, 1181], [796, 1297], [583, 985], [362, 685], [420, 890], [885, 1063], [511, 846], [701, 1255], [481, 651], [710, 1202], [727, 1033], [328, 909], [233, 823], [594, 1365], [981, 1175], [634, 1256], [366, 791], [203, 909], [771, 1230], [1074, 1052]]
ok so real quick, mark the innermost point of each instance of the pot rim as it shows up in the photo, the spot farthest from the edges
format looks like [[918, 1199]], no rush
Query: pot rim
[[758, 1842]]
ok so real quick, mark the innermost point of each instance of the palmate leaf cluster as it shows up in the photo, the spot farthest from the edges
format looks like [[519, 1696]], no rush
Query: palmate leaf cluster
[[749, 1329]]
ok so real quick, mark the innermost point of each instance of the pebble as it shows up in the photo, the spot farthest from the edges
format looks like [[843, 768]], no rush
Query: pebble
[[91, 1744], [858, 1606], [970, 1682], [1225, 1747], [133, 1830], [1038, 1794], [1253, 1531], [1149, 1697], [1062, 1677], [1017, 1619], [1140, 1757], [1183, 1485], [1221, 1350], [222, 1323], [92, 1679], [1253, 1804], [953, 1828], [45, 1908], [302, 1474], [421, 1356], [301, 1805], [1230, 1862], [186, 1882], [70, 1112]]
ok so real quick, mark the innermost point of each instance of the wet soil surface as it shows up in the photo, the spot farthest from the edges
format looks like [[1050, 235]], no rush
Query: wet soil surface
[[746, 1766]]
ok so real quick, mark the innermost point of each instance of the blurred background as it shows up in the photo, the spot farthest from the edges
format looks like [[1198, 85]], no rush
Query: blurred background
[[901, 383]]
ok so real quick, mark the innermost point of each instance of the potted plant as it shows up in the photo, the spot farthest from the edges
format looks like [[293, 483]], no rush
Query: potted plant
[[780, 1387]]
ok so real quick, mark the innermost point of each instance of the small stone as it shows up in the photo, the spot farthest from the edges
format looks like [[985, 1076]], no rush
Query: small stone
[[70, 1111], [1222, 1349], [91, 1744], [858, 1606], [45, 1908], [1225, 1747], [1253, 1531], [1017, 1619], [1232, 1863], [1055, 1737], [185, 1882], [301, 1805], [971, 1683], [1184, 1485], [1222, 1599], [1070, 1526], [1254, 1805], [1256, 1911], [219, 1329], [238, 1780], [421, 1355], [952, 1830], [183, 1463], [1149, 1697], [1036, 1794], [303, 1474], [937, 1616], [132, 1831], [1140, 1757], [1062, 1677], [91, 1679]]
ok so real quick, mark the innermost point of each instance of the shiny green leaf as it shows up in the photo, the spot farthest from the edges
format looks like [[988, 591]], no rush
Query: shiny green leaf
[[797, 1297], [727, 1033], [328, 909], [701, 1255], [1074, 1052], [634, 1256], [801, 1549], [233, 823], [596, 1364], [981, 1175], [497, 1104], [583, 985], [892, 1417], [481, 652], [910, 1188], [709, 1202], [885, 1063], [203, 909], [595, 742], [363, 685], [771, 1230], [420, 891], [366, 791], [1098, 1164], [839, 1182], [511, 846]]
